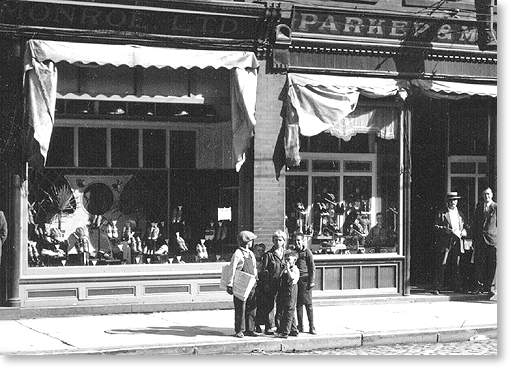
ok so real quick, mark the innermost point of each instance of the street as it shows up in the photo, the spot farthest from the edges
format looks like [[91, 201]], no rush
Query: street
[[479, 347]]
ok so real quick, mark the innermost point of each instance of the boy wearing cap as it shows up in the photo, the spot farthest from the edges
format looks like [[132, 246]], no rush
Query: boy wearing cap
[[271, 270], [449, 231], [244, 311]]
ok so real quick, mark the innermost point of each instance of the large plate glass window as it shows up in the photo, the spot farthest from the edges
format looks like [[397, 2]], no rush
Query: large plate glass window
[[345, 199]]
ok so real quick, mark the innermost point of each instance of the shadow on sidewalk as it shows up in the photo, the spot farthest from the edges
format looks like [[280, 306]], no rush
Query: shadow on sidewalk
[[183, 331]]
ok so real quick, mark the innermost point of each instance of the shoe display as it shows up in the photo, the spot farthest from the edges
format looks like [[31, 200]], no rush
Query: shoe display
[[239, 335]]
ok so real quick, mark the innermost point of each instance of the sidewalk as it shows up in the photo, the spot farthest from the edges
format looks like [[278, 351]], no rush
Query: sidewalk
[[210, 331]]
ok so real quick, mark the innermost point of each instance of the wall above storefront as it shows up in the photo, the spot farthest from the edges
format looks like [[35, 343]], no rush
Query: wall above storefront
[[181, 23], [407, 40]]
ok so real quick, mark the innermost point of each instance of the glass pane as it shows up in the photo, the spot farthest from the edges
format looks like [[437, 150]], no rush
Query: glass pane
[[80, 107], [92, 147], [326, 165], [458, 168], [357, 194], [326, 210], [182, 149], [324, 142], [124, 148], [154, 148], [303, 167], [383, 236], [483, 168], [61, 151], [466, 189], [357, 144], [468, 129], [358, 166], [297, 203]]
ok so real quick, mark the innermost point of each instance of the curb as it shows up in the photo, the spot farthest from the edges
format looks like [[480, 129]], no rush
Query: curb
[[264, 344]]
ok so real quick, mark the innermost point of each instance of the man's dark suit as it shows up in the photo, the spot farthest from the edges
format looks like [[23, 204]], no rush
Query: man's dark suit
[[485, 242]]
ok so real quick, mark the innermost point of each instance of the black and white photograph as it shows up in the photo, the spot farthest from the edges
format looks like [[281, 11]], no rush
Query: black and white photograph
[[250, 179]]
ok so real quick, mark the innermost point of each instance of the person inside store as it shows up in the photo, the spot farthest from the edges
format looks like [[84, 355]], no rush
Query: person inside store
[[259, 250], [79, 248], [202, 250], [484, 230], [50, 246], [244, 311], [449, 230], [3, 232], [271, 269], [177, 228], [379, 236], [307, 269], [287, 295]]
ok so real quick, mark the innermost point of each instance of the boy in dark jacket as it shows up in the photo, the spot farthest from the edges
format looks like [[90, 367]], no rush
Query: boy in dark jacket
[[286, 297], [305, 264]]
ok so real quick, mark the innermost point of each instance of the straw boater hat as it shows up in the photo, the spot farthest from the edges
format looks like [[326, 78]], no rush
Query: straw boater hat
[[452, 196]]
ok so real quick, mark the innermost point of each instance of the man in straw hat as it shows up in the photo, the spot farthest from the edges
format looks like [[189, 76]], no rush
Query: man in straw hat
[[449, 231], [244, 311]]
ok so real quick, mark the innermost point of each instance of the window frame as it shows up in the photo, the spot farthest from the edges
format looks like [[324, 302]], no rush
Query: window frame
[[134, 124]]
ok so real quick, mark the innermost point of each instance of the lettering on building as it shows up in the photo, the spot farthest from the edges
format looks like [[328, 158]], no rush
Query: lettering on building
[[385, 27], [53, 15]]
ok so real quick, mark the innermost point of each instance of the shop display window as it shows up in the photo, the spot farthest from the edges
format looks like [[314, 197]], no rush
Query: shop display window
[[131, 217], [140, 170], [346, 202]]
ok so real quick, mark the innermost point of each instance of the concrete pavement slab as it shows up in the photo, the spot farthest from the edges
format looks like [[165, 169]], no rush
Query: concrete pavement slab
[[16, 336], [210, 331]]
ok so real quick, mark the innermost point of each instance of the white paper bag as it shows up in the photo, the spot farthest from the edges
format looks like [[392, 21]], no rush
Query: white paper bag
[[243, 284]]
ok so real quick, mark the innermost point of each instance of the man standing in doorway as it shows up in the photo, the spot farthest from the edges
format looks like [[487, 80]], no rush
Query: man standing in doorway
[[485, 239], [450, 229]]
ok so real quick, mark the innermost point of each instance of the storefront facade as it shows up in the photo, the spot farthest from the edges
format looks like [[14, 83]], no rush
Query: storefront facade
[[129, 168], [361, 111], [423, 124]]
